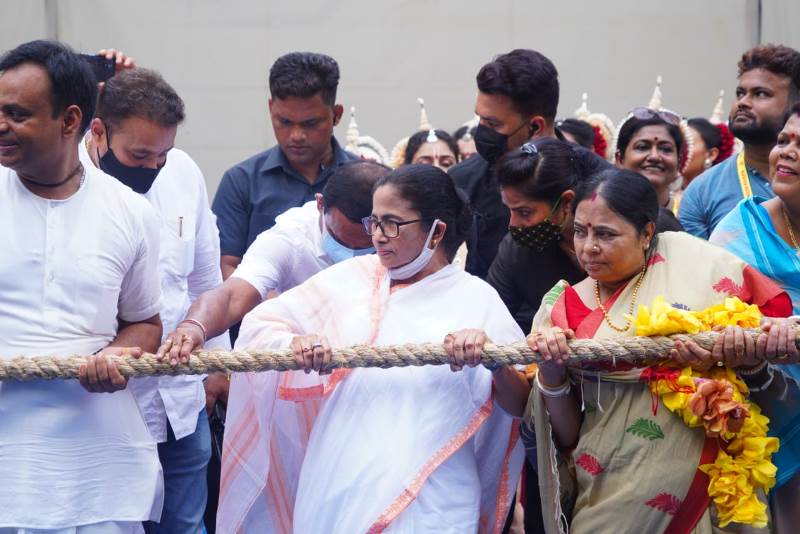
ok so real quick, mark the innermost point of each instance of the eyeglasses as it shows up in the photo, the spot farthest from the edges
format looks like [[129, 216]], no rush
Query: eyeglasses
[[390, 229], [665, 115]]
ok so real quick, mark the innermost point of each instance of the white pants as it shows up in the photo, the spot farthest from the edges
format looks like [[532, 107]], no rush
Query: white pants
[[106, 527]]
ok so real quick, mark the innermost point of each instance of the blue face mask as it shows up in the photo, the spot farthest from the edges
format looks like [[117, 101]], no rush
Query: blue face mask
[[338, 252]]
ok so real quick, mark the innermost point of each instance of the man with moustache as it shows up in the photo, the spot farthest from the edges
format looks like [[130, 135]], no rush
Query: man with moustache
[[769, 83], [303, 111], [78, 275]]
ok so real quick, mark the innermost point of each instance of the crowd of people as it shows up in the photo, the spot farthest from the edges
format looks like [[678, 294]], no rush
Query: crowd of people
[[516, 226]]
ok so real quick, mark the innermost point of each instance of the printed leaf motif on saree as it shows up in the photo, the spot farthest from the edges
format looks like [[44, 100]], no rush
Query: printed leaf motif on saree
[[726, 285], [551, 296], [590, 464], [655, 258], [646, 428], [665, 502]]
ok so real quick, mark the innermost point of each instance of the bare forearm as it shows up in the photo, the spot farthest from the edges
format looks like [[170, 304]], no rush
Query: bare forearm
[[565, 419], [564, 411], [228, 265], [511, 390], [223, 307], [145, 334]]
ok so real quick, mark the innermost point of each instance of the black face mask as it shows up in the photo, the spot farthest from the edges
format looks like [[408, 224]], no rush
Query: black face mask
[[140, 179], [491, 144], [539, 236]]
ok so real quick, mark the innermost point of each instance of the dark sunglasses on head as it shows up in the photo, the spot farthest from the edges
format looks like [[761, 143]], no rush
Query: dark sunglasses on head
[[644, 114]]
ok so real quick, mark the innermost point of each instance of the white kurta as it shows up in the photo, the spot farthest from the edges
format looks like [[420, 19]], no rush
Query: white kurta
[[188, 266], [287, 254], [68, 270], [405, 450]]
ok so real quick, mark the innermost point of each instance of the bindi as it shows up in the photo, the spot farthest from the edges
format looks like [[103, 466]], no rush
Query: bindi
[[588, 225], [594, 196]]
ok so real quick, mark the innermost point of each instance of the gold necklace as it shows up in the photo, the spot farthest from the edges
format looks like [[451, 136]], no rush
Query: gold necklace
[[789, 227], [633, 302]]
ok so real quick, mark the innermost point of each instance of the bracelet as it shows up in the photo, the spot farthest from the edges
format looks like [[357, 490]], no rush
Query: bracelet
[[559, 391], [766, 384], [752, 370], [197, 324]]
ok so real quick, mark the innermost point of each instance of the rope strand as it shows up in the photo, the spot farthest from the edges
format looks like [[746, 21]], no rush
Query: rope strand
[[638, 351]]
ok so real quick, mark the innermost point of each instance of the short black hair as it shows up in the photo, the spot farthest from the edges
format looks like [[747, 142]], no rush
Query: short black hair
[[431, 192], [711, 135], [72, 81], [777, 59], [416, 140], [629, 194], [349, 188], [581, 131], [633, 125], [525, 76], [304, 74], [140, 93], [542, 172]]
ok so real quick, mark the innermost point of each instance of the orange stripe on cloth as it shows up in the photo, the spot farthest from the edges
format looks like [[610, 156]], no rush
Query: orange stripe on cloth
[[286, 392], [503, 501], [410, 493], [282, 502], [238, 447]]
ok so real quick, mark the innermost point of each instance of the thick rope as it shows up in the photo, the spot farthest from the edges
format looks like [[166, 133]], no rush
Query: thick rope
[[634, 350]]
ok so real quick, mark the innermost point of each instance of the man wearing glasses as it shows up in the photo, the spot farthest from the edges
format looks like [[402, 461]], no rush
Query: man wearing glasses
[[303, 241]]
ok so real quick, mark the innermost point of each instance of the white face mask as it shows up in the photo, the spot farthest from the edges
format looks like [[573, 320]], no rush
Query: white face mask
[[404, 272]]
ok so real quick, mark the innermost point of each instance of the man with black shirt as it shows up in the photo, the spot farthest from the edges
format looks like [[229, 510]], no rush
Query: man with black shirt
[[517, 101]]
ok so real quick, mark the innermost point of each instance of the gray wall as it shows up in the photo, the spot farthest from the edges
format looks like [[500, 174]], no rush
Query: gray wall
[[217, 54]]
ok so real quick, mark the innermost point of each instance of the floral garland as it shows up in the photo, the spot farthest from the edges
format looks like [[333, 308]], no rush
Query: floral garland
[[599, 145], [726, 143], [717, 401]]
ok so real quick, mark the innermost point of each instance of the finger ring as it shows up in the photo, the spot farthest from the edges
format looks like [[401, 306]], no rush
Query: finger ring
[[720, 364], [316, 346]]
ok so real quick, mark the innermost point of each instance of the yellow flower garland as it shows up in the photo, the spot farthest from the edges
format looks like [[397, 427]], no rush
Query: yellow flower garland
[[743, 464]]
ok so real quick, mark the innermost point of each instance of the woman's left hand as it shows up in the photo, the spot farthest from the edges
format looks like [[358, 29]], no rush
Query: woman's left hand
[[465, 347]]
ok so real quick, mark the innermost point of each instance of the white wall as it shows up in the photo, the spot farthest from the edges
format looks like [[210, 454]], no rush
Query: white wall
[[217, 54]]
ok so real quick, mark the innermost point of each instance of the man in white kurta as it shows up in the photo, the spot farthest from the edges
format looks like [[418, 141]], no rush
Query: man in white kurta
[[139, 152], [78, 273], [304, 240], [370, 449]]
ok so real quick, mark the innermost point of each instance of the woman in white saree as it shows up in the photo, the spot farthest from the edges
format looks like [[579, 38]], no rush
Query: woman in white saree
[[417, 449]]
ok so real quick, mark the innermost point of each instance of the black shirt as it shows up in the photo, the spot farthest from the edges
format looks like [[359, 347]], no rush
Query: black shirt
[[475, 178], [254, 192], [522, 276]]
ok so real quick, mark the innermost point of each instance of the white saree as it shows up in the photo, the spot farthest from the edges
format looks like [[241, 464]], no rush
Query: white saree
[[418, 449]]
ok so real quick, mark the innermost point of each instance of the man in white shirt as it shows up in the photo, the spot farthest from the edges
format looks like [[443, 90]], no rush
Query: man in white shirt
[[132, 138], [303, 241], [78, 275]]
